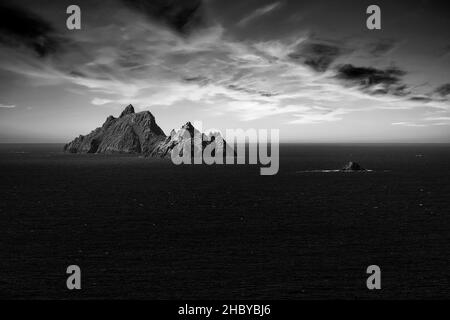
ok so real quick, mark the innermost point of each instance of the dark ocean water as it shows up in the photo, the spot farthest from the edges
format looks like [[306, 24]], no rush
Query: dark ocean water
[[144, 228]]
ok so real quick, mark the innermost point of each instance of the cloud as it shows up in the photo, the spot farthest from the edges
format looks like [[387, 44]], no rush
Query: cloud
[[424, 98], [7, 106], [314, 115], [20, 27], [427, 121], [251, 80], [374, 81], [258, 13], [408, 124], [154, 61], [443, 90], [278, 49], [438, 119], [318, 56], [100, 102], [182, 16]]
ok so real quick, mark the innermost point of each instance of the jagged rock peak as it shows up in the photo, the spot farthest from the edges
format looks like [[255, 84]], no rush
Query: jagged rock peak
[[128, 110], [189, 127]]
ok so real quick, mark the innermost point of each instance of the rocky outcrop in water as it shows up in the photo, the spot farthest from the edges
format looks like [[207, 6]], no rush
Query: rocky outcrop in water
[[130, 133], [353, 166]]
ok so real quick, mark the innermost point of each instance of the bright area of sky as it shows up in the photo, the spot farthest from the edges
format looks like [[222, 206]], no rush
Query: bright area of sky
[[309, 68]]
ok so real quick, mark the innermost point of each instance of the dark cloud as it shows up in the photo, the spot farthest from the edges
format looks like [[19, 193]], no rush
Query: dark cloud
[[421, 98], [20, 27], [382, 81], [443, 90], [375, 81], [183, 16], [318, 56]]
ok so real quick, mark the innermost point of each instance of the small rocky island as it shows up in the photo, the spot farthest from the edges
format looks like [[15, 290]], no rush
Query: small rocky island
[[352, 166], [138, 133]]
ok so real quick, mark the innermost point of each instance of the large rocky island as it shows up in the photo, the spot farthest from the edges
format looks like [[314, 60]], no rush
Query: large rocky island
[[138, 133], [130, 133]]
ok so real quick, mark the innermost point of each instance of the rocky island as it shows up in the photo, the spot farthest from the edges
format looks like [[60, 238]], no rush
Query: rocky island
[[138, 133], [352, 166], [130, 133]]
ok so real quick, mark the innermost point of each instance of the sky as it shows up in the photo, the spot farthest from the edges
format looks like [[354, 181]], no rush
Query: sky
[[311, 69]]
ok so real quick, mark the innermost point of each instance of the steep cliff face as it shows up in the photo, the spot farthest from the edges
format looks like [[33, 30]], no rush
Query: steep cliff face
[[130, 133]]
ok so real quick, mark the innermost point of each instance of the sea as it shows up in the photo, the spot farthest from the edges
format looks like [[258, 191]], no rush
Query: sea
[[144, 228]]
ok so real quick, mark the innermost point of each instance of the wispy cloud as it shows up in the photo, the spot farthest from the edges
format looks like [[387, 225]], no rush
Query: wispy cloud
[[316, 115], [7, 106], [437, 119], [100, 102], [258, 13], [409, 124]]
